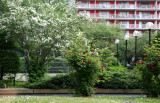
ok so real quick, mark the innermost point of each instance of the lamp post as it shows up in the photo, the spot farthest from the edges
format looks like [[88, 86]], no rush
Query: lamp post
[[149, 26], [117, 42], [126, 38], [136, 34]]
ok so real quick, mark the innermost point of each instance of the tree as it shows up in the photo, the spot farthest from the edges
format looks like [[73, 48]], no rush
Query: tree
[[102, 34], [9, 60], [40, 30]]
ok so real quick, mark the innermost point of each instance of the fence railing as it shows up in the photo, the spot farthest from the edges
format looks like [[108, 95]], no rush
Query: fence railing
[[107, 15], [112, 6]]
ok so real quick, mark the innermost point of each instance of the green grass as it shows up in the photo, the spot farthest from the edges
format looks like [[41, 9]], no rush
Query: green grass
[[54, 99]]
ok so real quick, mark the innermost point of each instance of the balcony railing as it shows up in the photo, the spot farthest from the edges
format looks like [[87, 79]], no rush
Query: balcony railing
[[126, 6], [129, 16], [125, 26], [132, 26], [147, 7], [106, 6], [146, 16], [112, 6]]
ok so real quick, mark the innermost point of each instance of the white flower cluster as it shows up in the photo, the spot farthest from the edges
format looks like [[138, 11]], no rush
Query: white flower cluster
[[42, 24]]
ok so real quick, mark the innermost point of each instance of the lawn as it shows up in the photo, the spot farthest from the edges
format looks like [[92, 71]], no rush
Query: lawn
[[55, 99]]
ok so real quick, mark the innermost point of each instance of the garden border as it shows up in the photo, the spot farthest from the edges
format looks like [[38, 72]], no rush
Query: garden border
[[18, 91]]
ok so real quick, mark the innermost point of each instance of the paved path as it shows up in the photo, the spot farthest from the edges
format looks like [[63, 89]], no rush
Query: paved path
[[70, 95]]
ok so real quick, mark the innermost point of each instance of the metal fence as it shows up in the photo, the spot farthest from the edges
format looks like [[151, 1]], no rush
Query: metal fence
[[53, 67], [58, 67]]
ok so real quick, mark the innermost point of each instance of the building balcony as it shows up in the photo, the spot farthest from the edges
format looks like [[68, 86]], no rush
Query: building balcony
[[118, 7], [98, 6], [125, 7], [94, 6], [147, 7], [113, 6], [133, 26], [118, 16]]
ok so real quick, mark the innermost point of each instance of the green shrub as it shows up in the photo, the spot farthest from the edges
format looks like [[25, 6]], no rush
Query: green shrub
[[112, 80], [149, 69], [87, 67], [116, 68], [61, 81], [111, 61], [2, 84], [120, 79]]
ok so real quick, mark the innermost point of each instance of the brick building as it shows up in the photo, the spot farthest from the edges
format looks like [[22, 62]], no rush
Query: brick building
[[128, 14]]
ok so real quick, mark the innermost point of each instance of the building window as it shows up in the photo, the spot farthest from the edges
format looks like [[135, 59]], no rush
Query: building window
[[145, 15], [124, 24], [123, 4], [103, 14], [85, 13], [123, 14], [144, 5], [84, 4], [104, 4]]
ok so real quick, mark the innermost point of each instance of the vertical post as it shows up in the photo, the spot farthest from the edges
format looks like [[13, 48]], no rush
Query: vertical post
[[14, 82], [117, 54], [150, 37], [126, 54], [135, 49]]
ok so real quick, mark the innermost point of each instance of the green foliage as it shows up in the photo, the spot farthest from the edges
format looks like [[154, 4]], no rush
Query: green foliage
[[142, 41], [3, 7], [36, 70], [104, 53], [101, 34], [9, 62], [113, 78], [40, 30], [87, 67], [120, 78], [2, 84], [149, 69], [107, 58], [116, 68], [62, 81], [156, 40]]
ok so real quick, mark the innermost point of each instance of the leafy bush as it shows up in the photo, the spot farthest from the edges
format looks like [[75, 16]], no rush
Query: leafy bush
[[61, 81], [116, 68], [113, 79], [149, 69], [87, 66], [120, 79], [1, 84], [111, 61]]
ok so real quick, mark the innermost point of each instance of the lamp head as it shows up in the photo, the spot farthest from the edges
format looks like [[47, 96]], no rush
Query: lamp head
[[116, 41], [126, 37], [136, 33], [149, 25]]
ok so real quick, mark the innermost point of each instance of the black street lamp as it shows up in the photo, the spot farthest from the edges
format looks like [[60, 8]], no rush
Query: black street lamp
[[136, 34], [149, 26], [117, 42], [126, 38]]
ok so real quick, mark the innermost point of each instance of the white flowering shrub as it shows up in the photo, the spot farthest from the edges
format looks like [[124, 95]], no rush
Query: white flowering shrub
[[40, 29]]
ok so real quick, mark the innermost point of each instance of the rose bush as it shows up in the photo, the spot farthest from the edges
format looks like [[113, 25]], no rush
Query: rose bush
[[149, 69], [87, 67]]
